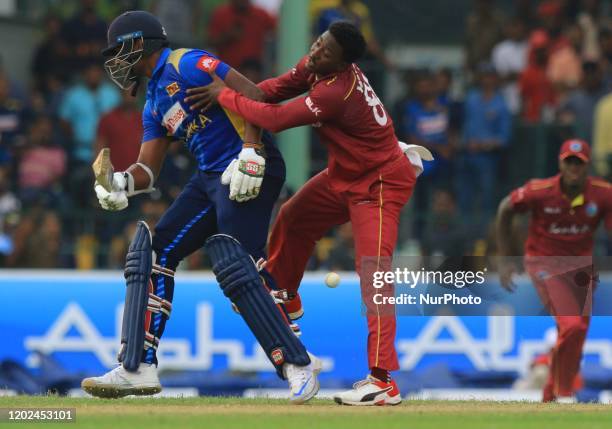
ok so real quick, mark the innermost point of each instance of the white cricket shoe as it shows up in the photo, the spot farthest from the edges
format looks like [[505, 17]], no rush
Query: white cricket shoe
[[566, 400], [118, 382], [303, 381], [370, 391]]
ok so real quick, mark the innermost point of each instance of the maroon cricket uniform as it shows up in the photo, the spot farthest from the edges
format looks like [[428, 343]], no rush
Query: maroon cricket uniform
[[367, 182], [560, 227], [558, 251]]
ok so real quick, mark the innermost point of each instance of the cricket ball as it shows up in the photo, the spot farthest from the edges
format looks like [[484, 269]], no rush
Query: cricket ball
[[332, 279]]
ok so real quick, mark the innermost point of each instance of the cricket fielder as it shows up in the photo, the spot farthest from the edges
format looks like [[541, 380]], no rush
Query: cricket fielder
[[232, 231], [367, 182], [565, 211]]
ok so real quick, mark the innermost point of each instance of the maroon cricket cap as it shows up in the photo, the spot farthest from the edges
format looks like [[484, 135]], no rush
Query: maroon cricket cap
[[575, 147]]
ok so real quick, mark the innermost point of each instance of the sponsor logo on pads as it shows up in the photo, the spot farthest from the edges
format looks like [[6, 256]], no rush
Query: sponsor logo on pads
[[277, 356]]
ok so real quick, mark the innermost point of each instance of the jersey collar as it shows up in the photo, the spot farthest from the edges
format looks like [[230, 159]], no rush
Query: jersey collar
[[580, 199], [332, 77], [161, 61]]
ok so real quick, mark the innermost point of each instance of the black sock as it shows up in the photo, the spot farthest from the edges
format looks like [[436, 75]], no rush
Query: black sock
[[381, 374]]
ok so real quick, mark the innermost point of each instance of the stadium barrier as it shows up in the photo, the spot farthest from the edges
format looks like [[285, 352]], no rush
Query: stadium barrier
[[58, 326]]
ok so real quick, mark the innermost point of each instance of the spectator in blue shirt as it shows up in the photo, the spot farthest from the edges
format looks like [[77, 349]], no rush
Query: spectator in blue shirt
[[80, 110], [83, 105], [425, 121], [444, 84], [487, 130]]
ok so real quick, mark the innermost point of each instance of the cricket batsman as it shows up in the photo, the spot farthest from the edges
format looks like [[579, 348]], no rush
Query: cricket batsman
[[228, 221], [367, 182], [565, 211]]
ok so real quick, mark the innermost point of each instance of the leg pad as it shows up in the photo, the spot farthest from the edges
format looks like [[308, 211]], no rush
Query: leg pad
[[137, 273], [240, 281]]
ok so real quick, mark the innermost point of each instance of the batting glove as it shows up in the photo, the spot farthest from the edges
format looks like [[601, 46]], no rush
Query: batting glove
[[245, 175], [116, 199]]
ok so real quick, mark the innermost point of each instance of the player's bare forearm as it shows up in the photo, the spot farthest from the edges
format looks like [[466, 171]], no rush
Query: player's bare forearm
[[505, 214], [244, 86], [152, 154], [204, 97], [269, 116], [252, 134], [506, 266]]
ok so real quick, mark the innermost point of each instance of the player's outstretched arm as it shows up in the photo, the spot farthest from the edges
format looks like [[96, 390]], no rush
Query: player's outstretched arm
[[199, 98], [274, 90], [152, 155], [506, 267], [273, 117]]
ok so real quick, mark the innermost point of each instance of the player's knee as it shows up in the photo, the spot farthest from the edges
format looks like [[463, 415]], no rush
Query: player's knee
[[233, 267], [288, 222], [574, 326], [582, 327]]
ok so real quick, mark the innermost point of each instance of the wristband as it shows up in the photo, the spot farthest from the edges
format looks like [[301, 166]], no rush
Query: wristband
[[130, 181]]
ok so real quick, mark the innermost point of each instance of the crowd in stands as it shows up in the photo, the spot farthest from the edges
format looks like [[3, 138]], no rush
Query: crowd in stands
[[544, 66], [544, 63], [51, 132]]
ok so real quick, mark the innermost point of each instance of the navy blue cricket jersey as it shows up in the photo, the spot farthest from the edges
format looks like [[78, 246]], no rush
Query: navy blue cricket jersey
[[214, 137]]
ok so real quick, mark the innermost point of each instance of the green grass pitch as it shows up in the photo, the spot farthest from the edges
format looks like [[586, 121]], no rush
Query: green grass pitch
[[228, 413]]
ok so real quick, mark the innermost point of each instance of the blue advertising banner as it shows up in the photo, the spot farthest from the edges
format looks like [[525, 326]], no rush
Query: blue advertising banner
[[76, 317]]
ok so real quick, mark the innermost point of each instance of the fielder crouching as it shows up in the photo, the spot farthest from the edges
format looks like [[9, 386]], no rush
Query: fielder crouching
[[231, 222]]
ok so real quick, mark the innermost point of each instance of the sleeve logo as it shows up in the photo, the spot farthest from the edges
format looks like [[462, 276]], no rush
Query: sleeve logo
[[311, 106], [207, 64]]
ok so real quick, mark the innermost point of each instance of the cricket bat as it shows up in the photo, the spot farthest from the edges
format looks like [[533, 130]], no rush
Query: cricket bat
[[103, 169]]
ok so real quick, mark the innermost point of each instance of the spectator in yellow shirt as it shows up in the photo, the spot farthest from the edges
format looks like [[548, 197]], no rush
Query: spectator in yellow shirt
[[602, 137]]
